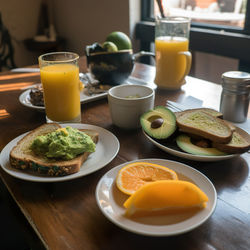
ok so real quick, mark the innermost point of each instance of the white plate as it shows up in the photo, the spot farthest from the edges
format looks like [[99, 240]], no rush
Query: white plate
[[24, 98], [106, 149], [110, 200], [173, 150]]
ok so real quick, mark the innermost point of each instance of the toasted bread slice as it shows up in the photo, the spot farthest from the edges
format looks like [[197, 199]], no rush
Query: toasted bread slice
[[22, 157], [205, 125], [198, 137], [231, 126], [240, 143], [210, 111]]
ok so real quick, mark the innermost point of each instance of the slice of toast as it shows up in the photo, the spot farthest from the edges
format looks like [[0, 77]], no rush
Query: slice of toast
[[240, 143], [210, 111], [22, 157], [205, 125]]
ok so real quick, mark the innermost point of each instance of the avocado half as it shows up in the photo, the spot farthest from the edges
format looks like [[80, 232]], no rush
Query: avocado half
[[159, 123], [184, 142]]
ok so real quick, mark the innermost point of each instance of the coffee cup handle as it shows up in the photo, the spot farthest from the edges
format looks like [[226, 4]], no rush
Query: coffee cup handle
[[188, 56]]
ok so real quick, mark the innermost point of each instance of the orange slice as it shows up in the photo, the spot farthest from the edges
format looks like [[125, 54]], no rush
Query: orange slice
[[174, 196], [134, 175]]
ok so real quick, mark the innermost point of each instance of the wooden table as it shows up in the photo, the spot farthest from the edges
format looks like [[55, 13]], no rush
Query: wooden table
[[65, 214]]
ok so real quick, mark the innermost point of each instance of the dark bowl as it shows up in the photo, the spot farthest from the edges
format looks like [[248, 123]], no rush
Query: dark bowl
[[111, 68]]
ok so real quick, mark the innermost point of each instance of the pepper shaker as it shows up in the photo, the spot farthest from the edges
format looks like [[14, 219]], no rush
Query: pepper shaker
[[235, 96]]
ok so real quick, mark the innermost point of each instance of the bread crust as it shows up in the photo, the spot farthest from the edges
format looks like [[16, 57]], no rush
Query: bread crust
[[21, 157], [203, 124]]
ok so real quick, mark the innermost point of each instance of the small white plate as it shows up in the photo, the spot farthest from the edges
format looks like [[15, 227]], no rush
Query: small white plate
[[24, 99], [173, 150], [106, 150], [110, 201]]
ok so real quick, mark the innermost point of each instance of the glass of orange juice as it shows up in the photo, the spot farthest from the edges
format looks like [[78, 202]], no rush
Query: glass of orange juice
[[61, 86], [173, 60]]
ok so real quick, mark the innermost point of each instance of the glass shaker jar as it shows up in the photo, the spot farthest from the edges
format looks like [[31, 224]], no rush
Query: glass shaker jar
[[235, 96]]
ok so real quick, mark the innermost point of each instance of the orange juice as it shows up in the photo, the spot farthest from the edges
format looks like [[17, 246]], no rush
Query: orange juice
[[170, 66], [61, 91]]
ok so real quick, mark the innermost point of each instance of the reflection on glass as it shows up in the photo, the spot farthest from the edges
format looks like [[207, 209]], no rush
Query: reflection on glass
[[221, 12]]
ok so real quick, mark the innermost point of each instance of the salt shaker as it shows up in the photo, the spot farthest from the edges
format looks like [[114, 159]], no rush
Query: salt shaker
[[235, 96]]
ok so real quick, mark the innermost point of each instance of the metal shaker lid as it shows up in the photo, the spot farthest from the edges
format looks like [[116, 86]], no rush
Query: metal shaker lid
[[236, 81]]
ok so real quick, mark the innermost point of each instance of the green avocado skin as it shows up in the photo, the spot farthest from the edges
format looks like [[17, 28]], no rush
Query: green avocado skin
[[120, 39], [166, 129], [184, 142], [63, 144]]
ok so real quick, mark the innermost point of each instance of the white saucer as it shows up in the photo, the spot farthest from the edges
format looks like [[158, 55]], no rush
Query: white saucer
[[174, 150], [110, 200], [106, 150], [24, 98]]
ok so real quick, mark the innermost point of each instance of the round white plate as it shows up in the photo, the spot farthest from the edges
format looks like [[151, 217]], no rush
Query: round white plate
[[24, 99], [177, 152], [106, 149], [110, 200]]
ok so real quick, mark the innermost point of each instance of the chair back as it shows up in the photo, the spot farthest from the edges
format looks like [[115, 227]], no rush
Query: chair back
[[6, 48]]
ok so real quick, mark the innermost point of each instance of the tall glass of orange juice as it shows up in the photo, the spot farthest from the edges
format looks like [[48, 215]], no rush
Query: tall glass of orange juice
[[173, 60], [61, 86]]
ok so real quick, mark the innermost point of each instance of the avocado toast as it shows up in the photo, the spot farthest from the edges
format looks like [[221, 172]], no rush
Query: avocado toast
[[24, 158]]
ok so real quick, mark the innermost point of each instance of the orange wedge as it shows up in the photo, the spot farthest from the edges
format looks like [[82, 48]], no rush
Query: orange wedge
[[134, 175], [174, 196]]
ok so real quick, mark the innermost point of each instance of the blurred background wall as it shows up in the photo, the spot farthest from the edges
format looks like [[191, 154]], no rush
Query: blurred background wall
[[78, 22], [20, 18], [83, 22]]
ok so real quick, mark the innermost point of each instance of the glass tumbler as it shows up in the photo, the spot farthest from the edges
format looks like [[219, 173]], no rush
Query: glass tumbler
[[61, 85]]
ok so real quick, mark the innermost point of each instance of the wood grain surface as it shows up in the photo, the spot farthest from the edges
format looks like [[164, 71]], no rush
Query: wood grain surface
[[65, 214]]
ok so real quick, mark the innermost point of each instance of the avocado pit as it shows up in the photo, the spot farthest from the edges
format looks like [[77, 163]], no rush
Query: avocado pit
[[157, 123]]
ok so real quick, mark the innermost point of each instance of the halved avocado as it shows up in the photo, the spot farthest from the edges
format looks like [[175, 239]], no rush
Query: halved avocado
[[159, 123], [185, 143]]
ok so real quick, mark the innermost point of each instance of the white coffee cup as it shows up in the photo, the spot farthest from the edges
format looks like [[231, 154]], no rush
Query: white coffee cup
[[127, 102]]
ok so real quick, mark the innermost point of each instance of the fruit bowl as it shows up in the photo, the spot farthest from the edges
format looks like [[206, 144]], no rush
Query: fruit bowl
[[112, 62], [111, 68]]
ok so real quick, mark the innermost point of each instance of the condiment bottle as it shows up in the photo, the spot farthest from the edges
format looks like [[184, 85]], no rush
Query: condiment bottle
[[235, 96]]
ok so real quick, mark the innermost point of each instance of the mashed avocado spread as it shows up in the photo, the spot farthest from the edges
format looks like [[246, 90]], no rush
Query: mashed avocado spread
[[64, 143]]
